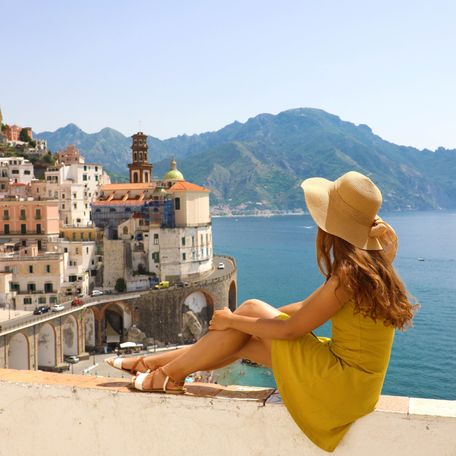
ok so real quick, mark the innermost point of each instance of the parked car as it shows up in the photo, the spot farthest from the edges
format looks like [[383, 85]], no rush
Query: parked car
[[72, 359], [182, 284], [97, 292], [57, 307], [77, 302], [221, 266], [162, 284], [41, 310]]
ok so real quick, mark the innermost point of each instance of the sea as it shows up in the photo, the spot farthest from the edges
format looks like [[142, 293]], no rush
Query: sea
[[276, 263]]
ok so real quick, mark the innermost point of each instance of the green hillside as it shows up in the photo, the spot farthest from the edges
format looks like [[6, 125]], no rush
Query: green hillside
[[260, 163]]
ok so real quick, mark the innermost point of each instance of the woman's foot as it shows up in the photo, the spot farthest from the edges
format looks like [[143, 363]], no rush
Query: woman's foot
[[158, 382], [131, 365]]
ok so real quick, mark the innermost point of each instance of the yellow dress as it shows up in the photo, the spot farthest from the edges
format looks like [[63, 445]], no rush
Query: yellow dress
[[326, 384]]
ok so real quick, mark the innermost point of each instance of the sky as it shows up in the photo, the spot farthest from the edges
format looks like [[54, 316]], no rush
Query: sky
[[182, 67]]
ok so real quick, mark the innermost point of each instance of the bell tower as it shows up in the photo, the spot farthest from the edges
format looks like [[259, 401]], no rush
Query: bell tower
[[140, 168]]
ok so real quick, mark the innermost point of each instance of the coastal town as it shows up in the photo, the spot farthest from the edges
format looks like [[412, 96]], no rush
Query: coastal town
[[87, 265]]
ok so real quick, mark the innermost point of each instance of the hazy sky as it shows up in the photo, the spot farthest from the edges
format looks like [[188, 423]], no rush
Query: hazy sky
[[190, 66]]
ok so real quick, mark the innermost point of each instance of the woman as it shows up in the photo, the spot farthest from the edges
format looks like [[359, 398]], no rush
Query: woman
[[326, 384]]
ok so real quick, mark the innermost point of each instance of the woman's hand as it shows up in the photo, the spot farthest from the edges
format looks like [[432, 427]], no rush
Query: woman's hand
[[221, 320]]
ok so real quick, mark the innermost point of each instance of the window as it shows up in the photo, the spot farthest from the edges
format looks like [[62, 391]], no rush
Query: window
[[84, 177], [201, 238], [74, 195], [48, 288], [87, 250], [48, 268], [183, 240], [111, 209], [73, 236], [15, 171], [77, 251], [177, 204], [23, 228], [72, 278], [90, 235], [155, 239], [6, 229], [27, 301], [30, 269], [156, 257], [184, 257], [39, 245], [85, 168], [65, 250], [75, 205], [27, 172], [96, 168], [14, 286], [5, 214], [63, 206], [22, 216], [38, 214], [193, 241], [38, 228], [96, 177], [53, 299], [42, 300], [125, 230], [31, 287]]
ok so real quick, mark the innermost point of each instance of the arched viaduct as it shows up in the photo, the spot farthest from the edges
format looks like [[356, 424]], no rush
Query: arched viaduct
[[43, 342]]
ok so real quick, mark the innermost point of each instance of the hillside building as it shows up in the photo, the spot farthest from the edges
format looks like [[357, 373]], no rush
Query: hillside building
[[36, 277], [153, 227], [15, 169]]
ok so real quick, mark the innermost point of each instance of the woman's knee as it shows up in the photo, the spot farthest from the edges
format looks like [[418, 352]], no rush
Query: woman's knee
[[247, 307], [256, 307]]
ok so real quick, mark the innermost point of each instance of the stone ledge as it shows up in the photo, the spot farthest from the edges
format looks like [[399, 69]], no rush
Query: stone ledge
[[44, 413]]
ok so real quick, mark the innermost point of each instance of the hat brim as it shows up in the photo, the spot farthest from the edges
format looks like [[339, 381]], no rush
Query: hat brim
[[331, 218]]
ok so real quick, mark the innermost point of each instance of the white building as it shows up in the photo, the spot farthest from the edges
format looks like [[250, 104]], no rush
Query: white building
[[75, 185], [16, 169], [171, 250]]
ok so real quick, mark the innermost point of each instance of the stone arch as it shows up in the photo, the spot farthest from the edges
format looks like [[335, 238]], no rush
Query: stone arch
[[197, 310], [46, 346], [89, 329], [232, 296], [70, 336], [113, 323], [18, 352]]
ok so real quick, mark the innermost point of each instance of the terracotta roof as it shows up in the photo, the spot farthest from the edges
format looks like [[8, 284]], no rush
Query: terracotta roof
[[185, 186], [118, 203], [127, 186]]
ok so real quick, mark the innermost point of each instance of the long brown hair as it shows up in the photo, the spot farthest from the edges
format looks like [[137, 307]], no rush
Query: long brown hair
[[369, 277]]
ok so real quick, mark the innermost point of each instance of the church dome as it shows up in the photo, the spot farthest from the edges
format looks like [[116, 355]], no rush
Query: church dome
[[173, 173]]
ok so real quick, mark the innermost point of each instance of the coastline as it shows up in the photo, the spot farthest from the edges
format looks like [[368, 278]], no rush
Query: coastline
[[260, 214]]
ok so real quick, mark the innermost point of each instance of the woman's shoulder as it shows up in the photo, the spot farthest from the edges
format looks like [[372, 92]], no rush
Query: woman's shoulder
[[340, 290]]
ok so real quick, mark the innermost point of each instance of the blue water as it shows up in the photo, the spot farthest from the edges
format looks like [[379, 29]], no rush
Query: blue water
[[276, 263]]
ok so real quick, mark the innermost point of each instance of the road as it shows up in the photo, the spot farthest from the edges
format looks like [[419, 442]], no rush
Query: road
[[29, 319]]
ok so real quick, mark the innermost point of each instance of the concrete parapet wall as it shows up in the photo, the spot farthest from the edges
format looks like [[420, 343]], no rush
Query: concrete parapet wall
[[52, 414]]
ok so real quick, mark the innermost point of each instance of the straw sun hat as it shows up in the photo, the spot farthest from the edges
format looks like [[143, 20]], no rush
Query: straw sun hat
[[347, 208]]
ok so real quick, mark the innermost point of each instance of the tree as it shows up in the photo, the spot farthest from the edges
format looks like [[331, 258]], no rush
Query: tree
[[23, 135], [120, 285]]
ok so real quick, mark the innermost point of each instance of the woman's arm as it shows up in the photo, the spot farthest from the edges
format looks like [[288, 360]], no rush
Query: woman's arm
[[319, 308], [291, 309]]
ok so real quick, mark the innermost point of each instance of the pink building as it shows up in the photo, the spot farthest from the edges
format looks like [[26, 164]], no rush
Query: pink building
[[29, 218], [13, 132]]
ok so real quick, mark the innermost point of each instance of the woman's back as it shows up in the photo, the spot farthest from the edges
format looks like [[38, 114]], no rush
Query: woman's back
[[360, 341]]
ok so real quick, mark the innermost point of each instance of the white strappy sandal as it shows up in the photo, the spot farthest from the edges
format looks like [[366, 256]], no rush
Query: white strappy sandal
[[117, 363], [170, 386]]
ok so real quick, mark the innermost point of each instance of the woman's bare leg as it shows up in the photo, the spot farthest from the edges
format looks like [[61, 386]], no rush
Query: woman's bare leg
[[216, 347]]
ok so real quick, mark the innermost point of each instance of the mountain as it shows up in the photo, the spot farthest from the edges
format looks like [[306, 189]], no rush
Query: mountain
[[260, 163]]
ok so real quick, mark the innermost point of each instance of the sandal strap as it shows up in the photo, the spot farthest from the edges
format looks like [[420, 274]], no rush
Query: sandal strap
[[179, 384], [133, 369]]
